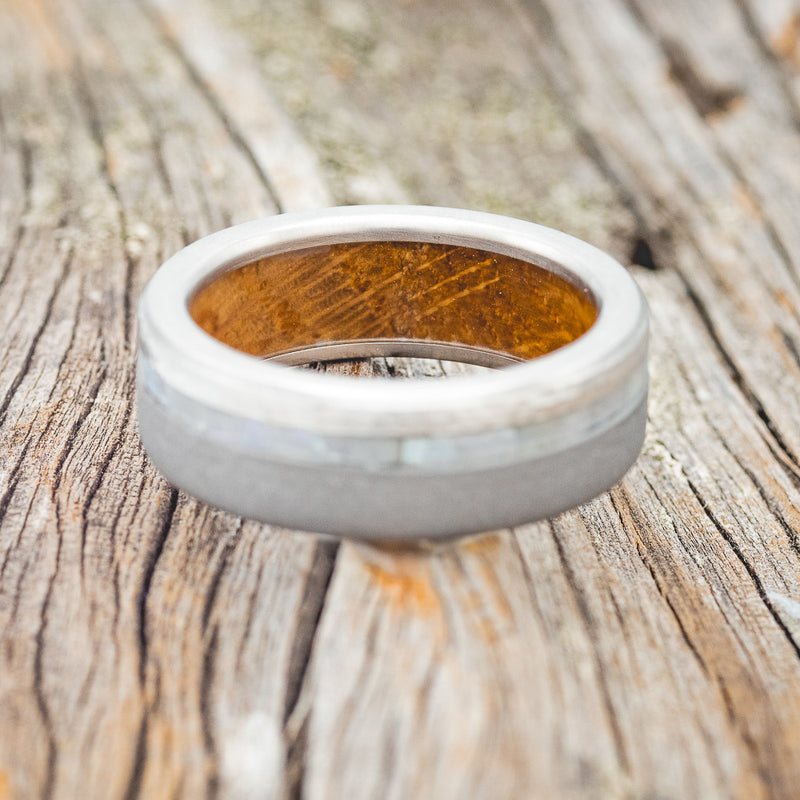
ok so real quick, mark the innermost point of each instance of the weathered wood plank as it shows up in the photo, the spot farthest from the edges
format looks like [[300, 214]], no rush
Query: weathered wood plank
[[640, 630], [113, 176], [723, 182], [227, 74], [644, 645], [436, 103], [756, 547]]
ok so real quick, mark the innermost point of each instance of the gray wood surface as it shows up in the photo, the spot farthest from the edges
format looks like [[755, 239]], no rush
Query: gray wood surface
[[645, 645]]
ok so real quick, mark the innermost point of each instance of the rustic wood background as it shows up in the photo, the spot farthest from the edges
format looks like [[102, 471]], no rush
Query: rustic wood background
[[646, 645]]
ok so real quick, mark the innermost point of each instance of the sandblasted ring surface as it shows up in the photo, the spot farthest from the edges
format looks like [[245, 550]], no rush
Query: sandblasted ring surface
[[224, 416]]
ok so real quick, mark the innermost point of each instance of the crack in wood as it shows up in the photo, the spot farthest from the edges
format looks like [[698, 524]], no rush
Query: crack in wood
[[790, 346], [297, 711], [648, 565], [88, 405], [15, 604], [69, 440], [741, 725], [213, 101], [147, 579], [134, 784], [602, 678], [315, 592], [734, 718], [769, 501], [37, 335], [737, 551], [26, 169], [295, 729], [792, 475], [744, 734], [97, 482], [772, 440], [95, 127], [694, 554], [156, 139], [208, 668], [38, 683], [737, 376], [295, 761], [249, 621], [587, 142], [206, 681], [213, 587], [5, 500]]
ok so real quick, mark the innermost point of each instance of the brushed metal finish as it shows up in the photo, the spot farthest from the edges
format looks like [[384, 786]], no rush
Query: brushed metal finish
[[383, 458]]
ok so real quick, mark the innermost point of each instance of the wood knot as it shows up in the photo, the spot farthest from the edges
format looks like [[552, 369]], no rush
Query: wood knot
[[709, 99]]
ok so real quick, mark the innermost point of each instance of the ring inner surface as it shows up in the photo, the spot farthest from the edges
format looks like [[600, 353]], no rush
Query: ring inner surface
[[393, 298]]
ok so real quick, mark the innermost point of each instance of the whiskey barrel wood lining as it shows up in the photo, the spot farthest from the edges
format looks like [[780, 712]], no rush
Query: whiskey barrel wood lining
[[644, 645]]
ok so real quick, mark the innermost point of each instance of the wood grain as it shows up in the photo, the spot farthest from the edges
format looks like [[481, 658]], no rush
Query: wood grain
[[391, 290], [644, 645]]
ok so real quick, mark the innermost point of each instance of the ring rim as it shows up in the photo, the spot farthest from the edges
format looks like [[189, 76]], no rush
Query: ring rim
[[196, 365]]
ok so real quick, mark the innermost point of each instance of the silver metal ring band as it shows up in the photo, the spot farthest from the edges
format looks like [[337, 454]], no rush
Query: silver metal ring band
[[385, 459]]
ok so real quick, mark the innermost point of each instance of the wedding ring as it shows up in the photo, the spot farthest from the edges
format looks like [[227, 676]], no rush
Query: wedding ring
[[224, 414]]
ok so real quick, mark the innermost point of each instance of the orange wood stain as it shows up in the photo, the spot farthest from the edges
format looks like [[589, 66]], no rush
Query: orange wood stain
[[406, 589], [786, 44], [44, 35], [402, 574], [5, 786], [483, 544], [391, 290]]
